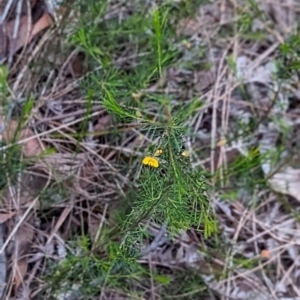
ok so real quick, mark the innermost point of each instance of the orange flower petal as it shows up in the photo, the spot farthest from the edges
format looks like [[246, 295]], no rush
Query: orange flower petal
[[265, 254]]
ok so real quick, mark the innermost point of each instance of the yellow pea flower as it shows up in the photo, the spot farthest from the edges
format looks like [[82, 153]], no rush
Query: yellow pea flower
[[150, 161], [137, 96], [158, 152], [185, 153]]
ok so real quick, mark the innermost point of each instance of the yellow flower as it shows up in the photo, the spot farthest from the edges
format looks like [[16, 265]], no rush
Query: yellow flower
[[187, 44], [185, 153], [150, 161], [158, 152], [137, 96]]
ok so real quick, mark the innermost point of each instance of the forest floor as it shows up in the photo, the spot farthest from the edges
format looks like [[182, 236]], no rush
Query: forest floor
[[149, 149]]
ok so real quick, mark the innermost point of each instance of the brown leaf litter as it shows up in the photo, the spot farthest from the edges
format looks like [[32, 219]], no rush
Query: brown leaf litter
[[6, 216], [25, 35], [21, 196], [19, 31], [206, 20], [19, 221], [27, 187], [32, 147], [63, 167], [265, 232], [22, 244]]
